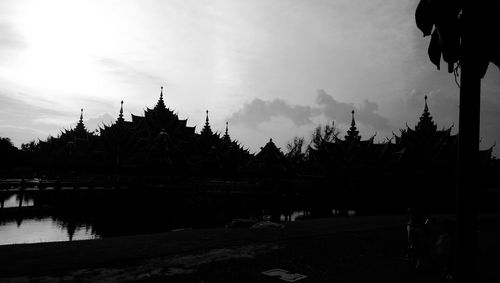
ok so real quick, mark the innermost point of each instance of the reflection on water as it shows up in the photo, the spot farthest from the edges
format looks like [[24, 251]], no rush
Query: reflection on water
[[16, 200], [83, 214], [41, 230], [52, 229]]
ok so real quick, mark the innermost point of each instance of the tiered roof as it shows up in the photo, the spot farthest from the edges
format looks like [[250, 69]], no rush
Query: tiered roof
[[206, 131], [352, 133], [270, 161]]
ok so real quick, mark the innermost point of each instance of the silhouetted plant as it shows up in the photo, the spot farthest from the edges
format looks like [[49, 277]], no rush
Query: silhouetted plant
[[328, 133], [31, 146], [295, 153], [8, 154]]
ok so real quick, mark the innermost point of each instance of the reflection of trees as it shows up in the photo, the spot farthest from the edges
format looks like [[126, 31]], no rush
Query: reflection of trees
[[71, 224], [3, 197]]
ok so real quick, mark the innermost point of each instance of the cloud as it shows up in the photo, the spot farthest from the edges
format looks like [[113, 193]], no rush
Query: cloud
[[94, 123], [9, 38], [17, 110], [259, 111], [23, 121], [127, 72], [339, 111], [18, 119]]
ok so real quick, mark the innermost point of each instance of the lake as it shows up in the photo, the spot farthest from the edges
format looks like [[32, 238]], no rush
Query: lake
[[33, 218]]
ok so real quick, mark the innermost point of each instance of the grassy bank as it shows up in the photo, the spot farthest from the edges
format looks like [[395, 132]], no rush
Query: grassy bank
[[333, 249]]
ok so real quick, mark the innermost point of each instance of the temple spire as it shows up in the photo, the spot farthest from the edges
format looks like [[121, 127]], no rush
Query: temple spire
[[80, 127], [226, 137], [120, 116], [352, 133], [426, 123], [161, 103], [206, 129], [426, 108]]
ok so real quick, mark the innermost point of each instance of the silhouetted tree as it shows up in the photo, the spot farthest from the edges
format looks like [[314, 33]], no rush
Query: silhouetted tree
[[31, 146], [294, 151], [465, 34], [328, 133], [8, 154]]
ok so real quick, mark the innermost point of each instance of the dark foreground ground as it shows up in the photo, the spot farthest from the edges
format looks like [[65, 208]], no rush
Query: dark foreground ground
[[357, 249]]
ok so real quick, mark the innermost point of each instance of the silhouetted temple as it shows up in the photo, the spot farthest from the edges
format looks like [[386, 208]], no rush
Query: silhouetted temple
[[158, 143], [423, 148], [269, 162], [354, 154], [72, 149], [421, 161]]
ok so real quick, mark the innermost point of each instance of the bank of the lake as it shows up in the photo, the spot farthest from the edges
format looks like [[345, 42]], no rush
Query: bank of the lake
[[47, 258], [61, 258]]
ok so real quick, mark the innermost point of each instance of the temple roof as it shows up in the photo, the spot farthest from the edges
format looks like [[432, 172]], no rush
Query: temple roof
[[226, 138], [269, 160], [120, 116], [426, 124], [352, 133], [80, 129], [160, 105], [207, 130]]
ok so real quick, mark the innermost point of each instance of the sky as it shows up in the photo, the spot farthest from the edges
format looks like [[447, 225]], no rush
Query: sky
[[273, 69]]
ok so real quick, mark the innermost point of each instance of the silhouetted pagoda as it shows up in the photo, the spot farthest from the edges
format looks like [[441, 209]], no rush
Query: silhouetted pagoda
[[425, 147], [71, 151], [158, 143], [269, 162], [159, 119], [352, 153], [422, 149], [220, 156], [122, 147]]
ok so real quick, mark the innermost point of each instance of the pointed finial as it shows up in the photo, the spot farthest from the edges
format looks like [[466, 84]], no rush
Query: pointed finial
[[206, 129], [120, 116], [160, 104], [426, 108], [226, 136], [352, 133], [81, 115]]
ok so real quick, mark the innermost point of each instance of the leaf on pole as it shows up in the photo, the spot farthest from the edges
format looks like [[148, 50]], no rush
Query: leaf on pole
[[423, 17], [434, 50]]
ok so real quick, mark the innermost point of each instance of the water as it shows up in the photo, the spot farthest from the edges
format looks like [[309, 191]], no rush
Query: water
[[41, 230], [101, 214], [16, 201]]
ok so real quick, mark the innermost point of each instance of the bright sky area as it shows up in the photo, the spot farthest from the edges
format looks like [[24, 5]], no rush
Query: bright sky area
[[273, 69]]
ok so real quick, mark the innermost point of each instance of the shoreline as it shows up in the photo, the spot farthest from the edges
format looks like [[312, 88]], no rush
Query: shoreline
[[123, 253], [50, 257]]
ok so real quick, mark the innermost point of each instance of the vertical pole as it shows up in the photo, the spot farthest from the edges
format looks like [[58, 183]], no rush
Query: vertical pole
[[468, 152]]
